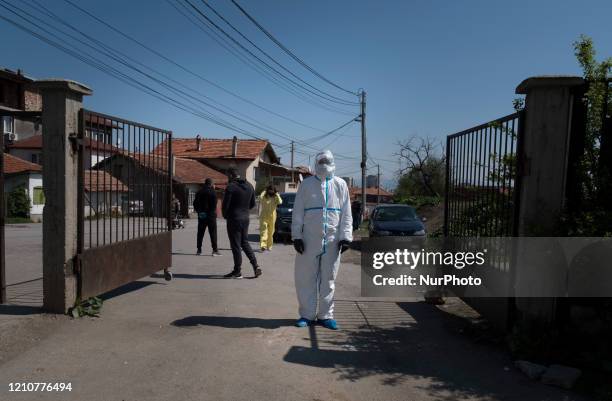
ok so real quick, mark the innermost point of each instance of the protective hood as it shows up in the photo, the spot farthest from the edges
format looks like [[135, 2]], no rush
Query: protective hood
[[324, 164]]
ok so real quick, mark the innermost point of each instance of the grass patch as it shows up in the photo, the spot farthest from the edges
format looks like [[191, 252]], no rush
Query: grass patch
[[17, 220]]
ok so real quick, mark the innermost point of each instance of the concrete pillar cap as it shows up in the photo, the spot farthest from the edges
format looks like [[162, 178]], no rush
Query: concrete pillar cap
[[542, 81], [65, 85]]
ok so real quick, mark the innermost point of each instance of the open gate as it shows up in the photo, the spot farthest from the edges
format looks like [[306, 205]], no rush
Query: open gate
[[124, 202], [483, 178]]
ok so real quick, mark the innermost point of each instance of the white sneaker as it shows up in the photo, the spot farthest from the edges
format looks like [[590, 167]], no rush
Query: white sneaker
[[217, 253]]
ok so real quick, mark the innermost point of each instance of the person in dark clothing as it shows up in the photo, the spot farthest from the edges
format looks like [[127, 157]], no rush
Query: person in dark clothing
[[205, 205], [239, 198]]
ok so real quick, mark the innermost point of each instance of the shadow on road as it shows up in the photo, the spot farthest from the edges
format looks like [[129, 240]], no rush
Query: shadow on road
[[130, 287], [191, 276], [410, 341], [232, 322], [19, 310]]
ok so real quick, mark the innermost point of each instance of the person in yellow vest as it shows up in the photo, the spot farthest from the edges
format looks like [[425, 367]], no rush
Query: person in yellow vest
[[268, 200]]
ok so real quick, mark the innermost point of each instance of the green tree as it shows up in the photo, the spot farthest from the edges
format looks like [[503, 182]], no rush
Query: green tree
[[591, 214], [18, 203]]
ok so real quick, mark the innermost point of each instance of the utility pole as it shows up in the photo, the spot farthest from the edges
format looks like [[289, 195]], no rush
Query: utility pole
[[292, 151], [378, 186], [364, 152]]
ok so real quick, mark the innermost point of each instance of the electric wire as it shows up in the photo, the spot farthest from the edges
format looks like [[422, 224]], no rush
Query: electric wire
[[289, 52]]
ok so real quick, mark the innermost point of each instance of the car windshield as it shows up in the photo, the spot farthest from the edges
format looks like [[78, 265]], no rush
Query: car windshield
[[288, 200], [395, 214]]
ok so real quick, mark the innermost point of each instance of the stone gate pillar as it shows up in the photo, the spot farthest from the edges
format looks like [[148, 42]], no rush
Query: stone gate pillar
[[61, 103], [547, 129]]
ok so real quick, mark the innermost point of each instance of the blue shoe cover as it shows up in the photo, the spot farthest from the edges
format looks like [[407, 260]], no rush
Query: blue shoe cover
[[329, 324], [302, 322]]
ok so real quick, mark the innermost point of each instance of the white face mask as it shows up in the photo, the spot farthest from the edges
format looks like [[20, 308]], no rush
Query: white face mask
[[327, 169], [324, 170]]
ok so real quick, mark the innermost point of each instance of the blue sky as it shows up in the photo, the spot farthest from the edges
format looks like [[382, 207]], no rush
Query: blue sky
[[430, 68]]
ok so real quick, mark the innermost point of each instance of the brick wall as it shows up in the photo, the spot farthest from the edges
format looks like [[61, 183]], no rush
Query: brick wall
[[32, 99]]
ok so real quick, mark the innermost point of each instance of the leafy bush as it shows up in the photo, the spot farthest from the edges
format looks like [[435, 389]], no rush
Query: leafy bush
[[18, 203], [417, 201]]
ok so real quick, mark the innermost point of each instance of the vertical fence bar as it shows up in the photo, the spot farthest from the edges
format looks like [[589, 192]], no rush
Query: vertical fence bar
[[446, 187], [120, 151], [2, 212], [81, 183], [462, 183], [170, 172], [89, 154]]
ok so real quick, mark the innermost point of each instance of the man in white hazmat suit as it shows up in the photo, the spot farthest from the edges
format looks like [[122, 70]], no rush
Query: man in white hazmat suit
[[321, 229]]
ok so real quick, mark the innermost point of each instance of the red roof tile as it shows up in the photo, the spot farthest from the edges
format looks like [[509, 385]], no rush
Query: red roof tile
[[15, 165], [101, 181], [214, 148], [369, 191], [188, 171]]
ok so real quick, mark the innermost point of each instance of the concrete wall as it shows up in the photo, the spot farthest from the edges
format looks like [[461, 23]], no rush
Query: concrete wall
[[25, 128]]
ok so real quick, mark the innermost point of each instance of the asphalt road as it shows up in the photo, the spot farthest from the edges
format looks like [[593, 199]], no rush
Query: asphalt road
[[202, 337]]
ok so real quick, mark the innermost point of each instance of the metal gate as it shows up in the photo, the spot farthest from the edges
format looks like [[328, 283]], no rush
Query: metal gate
[[124, 202], [483, 178], [484, 166]]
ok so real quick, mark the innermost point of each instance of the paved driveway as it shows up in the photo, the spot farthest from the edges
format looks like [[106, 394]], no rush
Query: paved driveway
[[202, 337]]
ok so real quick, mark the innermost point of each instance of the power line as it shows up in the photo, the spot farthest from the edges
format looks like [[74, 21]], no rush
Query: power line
[[340, 100], [203, 26], [289, 52], [104, 67], [267, 65], [187, 70], [104, 49]]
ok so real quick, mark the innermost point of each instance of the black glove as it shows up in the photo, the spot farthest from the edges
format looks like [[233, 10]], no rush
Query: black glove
[[344, 245], [298, 244]]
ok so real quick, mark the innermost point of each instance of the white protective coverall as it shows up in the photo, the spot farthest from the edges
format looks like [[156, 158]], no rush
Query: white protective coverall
[[321, 218]]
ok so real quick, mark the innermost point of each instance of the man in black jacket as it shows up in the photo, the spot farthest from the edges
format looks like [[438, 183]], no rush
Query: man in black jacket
[[239, 198], [205, 204]]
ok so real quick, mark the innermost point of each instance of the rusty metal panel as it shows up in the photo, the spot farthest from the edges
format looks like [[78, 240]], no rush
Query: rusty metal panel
[[107, 267]]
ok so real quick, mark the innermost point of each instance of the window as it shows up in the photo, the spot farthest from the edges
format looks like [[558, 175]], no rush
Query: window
[[38, 196], [8, 124], [36, 158], [191, 198]]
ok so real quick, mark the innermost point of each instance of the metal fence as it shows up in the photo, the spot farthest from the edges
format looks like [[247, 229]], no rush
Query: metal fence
[[483, 179], [124, 201]]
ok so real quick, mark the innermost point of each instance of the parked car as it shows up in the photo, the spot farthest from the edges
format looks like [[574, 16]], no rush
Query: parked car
[[136, 208], [395, 220], [282, 228]]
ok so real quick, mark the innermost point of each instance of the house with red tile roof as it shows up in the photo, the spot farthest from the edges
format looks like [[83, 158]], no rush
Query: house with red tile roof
[[20, 173], [188, 177], [255, 159], [372, 195]]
